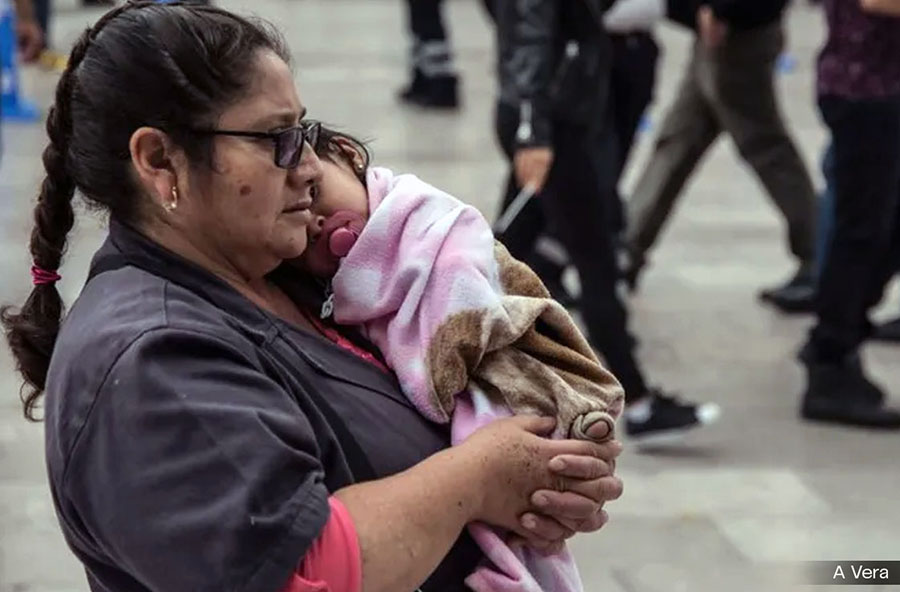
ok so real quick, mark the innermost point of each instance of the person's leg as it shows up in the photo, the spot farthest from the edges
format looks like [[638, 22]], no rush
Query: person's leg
[[739, 80], [434, 80], [826, 210], [631, 90], [635, 59], [687, 131], [888, 331], [578, 203], [42, 14], [866, 139]]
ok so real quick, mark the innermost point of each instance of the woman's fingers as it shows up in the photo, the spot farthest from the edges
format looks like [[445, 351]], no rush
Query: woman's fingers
[[602, 490], [581, 467], [544, 527], [541, 426], [542, 533], [591, 524], [607, 451], [578, 499], [542, 546], [565, 505]]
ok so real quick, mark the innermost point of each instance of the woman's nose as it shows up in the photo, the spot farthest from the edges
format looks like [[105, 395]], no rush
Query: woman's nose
[[309, 169]]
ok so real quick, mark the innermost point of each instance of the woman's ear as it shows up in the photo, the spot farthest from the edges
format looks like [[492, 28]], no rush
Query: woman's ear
[[154, 161]]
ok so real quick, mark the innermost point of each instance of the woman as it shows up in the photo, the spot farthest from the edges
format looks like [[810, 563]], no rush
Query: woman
[[859, 97], [201, 434]]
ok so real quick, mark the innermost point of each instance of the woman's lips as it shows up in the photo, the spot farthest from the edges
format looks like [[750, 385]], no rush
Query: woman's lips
[[300, 206]]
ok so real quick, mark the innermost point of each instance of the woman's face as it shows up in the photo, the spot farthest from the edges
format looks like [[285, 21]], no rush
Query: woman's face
[[246, 209]]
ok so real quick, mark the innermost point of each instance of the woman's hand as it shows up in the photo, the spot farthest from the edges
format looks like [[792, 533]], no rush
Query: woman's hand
[[522, 473], [585, 483]]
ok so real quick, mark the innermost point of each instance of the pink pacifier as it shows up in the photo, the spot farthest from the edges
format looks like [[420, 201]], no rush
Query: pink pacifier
[[342, 229], [341, 241]]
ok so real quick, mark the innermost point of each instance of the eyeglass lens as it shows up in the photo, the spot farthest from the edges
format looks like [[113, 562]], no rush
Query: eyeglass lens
[[290, 144]]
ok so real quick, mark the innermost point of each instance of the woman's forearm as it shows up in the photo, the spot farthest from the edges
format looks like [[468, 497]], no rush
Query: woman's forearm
[[407, 523], [882, 7]]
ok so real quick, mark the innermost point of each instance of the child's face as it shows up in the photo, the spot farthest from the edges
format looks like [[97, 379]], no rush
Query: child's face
[[339, 190]]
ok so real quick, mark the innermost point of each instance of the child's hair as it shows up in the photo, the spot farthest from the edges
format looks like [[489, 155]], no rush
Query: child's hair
[[329, 146]]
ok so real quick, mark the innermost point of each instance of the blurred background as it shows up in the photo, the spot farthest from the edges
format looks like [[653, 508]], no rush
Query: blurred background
[[719, 511]]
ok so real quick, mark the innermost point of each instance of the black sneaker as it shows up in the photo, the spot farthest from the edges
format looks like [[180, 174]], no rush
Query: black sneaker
[[841, 393], [668, 418], [796, 296], [438, 92], [888, 332]]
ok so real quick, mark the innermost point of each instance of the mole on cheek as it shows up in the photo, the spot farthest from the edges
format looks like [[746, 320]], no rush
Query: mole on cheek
[[245, 190]]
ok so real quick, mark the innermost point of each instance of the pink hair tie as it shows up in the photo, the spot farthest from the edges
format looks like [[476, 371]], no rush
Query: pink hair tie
[[41, 276]]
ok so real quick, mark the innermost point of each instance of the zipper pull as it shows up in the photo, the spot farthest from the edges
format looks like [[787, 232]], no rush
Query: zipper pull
[[328, 305]]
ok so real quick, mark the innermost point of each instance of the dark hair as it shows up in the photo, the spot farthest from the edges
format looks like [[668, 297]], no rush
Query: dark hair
[[168, 66], [329, 146]]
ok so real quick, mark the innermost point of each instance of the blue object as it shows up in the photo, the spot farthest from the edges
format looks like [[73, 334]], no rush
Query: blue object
[[12, 104], [786, 64], [645, 125], [826, 209]]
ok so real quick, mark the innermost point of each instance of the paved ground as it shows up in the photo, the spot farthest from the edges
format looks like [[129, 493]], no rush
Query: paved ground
[[718, 513]]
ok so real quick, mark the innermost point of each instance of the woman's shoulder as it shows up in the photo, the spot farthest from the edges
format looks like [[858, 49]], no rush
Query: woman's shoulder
[[117, 308], [133, 322]]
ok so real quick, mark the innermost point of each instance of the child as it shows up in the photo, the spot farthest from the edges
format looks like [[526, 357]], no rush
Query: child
[[405, 265], [471, 333]]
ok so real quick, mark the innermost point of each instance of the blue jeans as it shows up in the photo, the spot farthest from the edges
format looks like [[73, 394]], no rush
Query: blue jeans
[[826, 209]]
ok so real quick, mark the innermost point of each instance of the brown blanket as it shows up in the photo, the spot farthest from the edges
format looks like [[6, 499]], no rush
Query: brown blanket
[[531, 356]]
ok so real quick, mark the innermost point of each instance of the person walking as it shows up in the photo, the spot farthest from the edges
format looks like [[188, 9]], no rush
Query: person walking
[[728, 87], [433, 79], [555, 126], [859, 97]]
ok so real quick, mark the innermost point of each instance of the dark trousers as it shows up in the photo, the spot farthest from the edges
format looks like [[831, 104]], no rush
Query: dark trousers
[[578, 202], [42, 14], [426, 21], [730, 89], [632, 81], [865, 243]]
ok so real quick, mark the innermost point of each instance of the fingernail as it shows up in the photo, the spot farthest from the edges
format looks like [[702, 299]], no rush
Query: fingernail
[[529, 522], [541, 500], [557, 464]]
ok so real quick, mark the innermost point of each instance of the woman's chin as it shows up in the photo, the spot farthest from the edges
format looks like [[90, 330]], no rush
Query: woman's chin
[[294, 246]]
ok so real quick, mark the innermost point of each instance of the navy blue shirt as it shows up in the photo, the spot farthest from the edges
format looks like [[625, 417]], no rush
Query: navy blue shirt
[[193, 439]]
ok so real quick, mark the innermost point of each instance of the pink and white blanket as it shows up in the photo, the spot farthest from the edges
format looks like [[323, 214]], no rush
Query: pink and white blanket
[[473, 336]]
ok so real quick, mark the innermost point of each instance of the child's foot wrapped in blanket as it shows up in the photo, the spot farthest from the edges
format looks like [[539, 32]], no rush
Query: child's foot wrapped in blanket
[[527, 352]]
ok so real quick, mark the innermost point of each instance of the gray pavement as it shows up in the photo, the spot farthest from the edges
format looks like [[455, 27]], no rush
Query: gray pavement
[[724, 511]]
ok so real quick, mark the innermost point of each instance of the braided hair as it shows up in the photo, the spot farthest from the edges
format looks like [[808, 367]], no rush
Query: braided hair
[[168, 66]]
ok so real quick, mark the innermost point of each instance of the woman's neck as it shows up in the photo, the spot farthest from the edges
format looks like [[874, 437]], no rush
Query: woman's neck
[[252, 286]]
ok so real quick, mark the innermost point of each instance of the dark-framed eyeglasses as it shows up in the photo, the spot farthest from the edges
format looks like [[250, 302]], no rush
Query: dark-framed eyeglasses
[[288, 142]]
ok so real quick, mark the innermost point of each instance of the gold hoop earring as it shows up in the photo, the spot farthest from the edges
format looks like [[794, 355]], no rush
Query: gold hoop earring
[[171, 205]]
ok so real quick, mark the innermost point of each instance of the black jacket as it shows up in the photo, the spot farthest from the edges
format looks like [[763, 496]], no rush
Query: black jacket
[[554, 60], [739, 14]]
